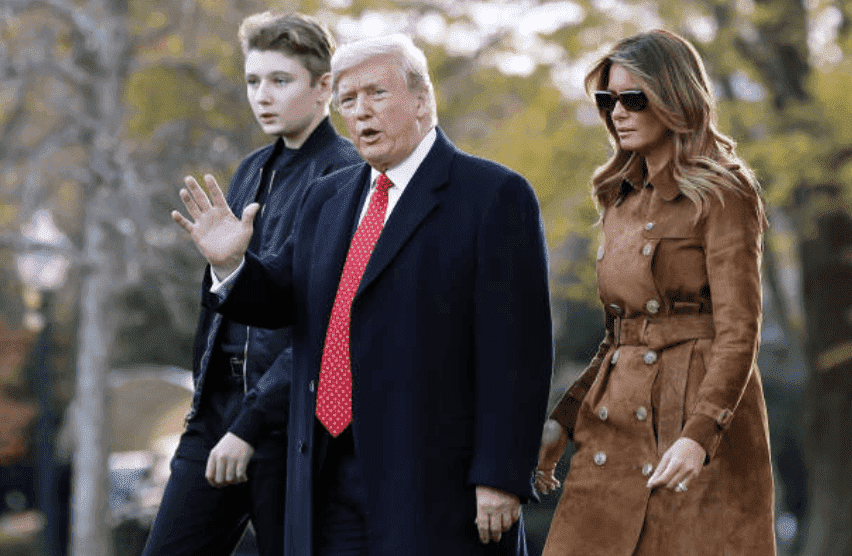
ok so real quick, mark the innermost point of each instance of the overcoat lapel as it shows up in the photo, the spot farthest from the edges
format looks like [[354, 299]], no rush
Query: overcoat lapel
[[419, 199], [331, 244]]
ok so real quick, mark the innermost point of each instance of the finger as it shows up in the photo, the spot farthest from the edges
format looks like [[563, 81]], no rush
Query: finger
[[482, 527], [210, 472], [231, 471], [660, 476], [197, 193], [181, 219], [190, 204], [497, 527], [682, 475], [216, 196], [242, 467], [221, 470], [516, 515], [248, 214]]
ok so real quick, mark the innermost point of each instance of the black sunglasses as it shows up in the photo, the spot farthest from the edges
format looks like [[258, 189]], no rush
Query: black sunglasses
[[634, 101]]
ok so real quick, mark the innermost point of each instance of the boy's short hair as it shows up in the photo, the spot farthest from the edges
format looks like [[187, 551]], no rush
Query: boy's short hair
[[293, 34]]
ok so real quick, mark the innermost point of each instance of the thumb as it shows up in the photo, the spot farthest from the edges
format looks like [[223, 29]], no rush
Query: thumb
[[249, 213]]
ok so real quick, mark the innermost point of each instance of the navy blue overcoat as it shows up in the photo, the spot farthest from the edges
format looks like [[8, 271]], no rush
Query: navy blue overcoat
[[451, 347]]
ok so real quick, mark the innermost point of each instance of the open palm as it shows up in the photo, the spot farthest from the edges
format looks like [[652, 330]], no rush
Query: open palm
[[220, 236]]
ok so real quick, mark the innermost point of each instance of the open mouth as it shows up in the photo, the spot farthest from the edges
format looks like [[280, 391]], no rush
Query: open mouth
[[369, 135]]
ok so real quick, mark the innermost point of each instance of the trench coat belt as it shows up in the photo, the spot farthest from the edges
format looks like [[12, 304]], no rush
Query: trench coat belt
[[676, 334]]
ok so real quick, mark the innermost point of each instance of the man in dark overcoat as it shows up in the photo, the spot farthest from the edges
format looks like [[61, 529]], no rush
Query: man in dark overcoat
[[416, 285]]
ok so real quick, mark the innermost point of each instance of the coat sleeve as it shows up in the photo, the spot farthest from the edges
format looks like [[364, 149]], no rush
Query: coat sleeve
[[566, 411], [732, 233], [262, 293], [273, 389], [513, 351]]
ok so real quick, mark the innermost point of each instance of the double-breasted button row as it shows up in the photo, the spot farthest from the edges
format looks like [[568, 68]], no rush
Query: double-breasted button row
[[647, 469], [650, 357], [599, 458], [649, 226], [641, 413], [653, 306], [603, 413], [648, 249]]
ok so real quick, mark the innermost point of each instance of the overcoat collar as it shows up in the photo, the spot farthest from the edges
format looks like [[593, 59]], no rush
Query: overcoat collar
[[418, 200]]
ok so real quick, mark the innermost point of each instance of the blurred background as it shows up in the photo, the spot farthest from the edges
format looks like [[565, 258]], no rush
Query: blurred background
[[106, 104]]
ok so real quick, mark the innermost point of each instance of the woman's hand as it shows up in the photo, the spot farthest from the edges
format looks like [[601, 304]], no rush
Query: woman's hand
[[679, 465], [554, 438]]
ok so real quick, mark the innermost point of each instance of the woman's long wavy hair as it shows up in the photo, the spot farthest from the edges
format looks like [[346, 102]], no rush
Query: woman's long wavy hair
[[670, 72]]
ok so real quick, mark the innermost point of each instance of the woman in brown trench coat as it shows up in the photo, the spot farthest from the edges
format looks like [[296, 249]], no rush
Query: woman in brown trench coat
[[669, 419]]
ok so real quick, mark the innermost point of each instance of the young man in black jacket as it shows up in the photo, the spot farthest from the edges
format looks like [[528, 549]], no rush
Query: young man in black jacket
[[230, 465]]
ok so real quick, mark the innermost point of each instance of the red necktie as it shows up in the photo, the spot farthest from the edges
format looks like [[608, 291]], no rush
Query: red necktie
[[334, 395]]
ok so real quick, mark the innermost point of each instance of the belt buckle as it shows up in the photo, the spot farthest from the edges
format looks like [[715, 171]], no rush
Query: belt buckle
[[617, 331], [237, 367]]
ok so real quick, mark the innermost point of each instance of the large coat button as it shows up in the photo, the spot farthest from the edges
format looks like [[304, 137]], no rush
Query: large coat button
[[647, 469], [648, 249], [649, 226], [615, 357], [603, 413], [653, 306], [650, 357], [641, 413], [600, 458]]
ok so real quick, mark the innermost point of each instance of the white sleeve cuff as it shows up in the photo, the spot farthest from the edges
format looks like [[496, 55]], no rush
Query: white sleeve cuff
[[221, 288]]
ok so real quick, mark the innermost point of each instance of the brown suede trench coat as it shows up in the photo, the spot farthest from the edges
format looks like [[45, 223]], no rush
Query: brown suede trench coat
[[683, 302]]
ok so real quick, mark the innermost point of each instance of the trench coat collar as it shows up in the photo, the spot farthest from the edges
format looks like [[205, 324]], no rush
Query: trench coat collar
[[663, 182]]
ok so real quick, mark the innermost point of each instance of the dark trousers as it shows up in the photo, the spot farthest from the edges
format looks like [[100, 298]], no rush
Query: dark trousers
[[339, 516], [196, 519]]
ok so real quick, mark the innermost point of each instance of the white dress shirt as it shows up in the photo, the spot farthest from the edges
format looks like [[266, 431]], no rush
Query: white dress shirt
[[400, 175]]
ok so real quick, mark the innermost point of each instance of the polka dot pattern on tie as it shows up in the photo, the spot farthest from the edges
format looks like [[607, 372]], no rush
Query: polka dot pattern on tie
[[334, 395]]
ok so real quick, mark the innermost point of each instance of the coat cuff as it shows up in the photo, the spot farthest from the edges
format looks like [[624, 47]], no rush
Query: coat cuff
[[247, 425], [566, 411], [706, 426]]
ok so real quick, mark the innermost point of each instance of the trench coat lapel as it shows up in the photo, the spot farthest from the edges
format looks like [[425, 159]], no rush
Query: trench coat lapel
[[419, 199]]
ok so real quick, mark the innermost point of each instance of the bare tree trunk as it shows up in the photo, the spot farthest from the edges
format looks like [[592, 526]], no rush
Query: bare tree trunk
[[827, 270], [102, 46], [89, 525]]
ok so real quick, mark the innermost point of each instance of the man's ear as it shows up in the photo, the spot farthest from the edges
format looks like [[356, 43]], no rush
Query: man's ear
[[422, 105], [323, 87]]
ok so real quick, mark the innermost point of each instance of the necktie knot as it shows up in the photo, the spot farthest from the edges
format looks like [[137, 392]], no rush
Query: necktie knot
[[383, 183]]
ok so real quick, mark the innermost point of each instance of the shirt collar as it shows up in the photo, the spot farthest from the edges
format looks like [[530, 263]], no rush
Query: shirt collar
[[402, 173]]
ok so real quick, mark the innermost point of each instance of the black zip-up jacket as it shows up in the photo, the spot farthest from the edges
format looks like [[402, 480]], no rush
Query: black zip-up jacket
[[268, 355]]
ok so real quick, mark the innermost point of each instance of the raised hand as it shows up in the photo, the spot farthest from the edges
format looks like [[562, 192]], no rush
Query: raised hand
[[554, 439], [219, 235]]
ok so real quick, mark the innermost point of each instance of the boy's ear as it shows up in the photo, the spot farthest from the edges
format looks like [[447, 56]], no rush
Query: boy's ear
[[324, 88]]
